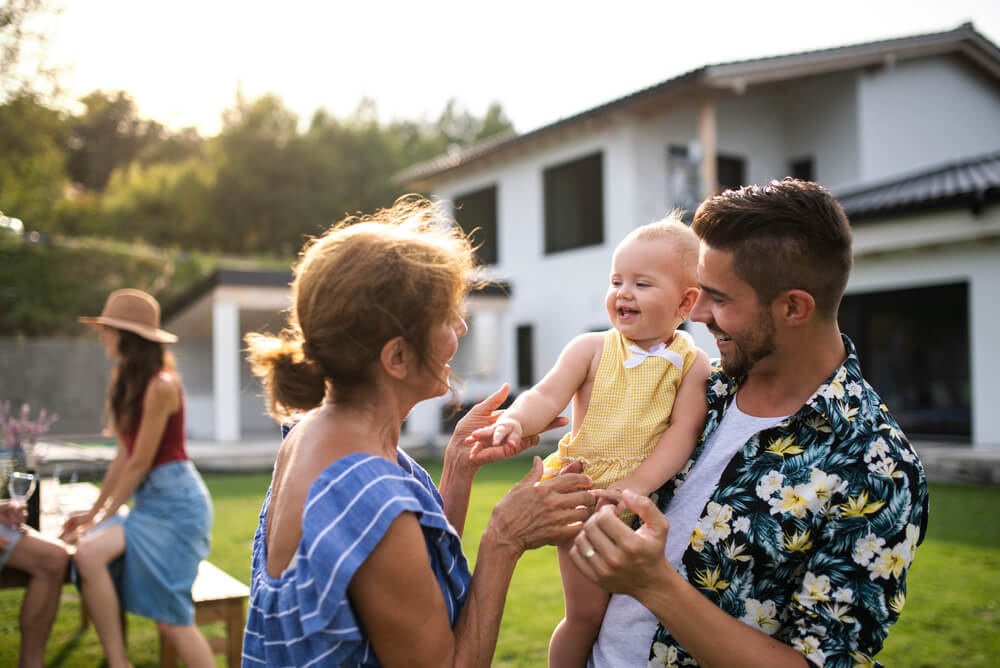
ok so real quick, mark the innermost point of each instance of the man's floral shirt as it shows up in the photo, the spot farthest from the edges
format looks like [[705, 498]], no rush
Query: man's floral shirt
[[812, 527]]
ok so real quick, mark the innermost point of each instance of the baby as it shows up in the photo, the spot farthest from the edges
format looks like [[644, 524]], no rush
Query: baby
[[638, 393]]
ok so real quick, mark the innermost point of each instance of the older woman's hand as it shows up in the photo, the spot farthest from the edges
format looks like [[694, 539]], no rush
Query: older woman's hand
[[535, 512]]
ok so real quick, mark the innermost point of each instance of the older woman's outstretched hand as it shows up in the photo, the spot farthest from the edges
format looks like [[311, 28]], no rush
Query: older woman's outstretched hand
[[535, 512]]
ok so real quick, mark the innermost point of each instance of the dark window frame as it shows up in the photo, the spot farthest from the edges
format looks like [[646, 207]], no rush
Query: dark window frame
[[573, 199], [477, 214], [730, 162], [803, 168], [525, 351]]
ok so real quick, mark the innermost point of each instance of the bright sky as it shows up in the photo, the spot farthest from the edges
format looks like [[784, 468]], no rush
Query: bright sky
[[183, 60]]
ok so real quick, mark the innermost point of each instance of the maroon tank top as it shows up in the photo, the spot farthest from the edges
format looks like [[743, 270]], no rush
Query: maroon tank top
[[171, 447]]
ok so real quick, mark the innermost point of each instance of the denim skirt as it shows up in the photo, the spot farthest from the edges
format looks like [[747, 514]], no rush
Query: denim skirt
[[167, 534]]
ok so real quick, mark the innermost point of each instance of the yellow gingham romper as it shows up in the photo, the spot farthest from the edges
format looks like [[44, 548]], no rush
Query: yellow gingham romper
[[629, 410]]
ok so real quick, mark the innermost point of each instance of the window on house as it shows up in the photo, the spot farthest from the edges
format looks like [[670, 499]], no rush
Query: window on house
[[731, 171], [525, 356], [802, 169], [682, 181], [476, 212], [683, 177], [914, 349], [574, 204]]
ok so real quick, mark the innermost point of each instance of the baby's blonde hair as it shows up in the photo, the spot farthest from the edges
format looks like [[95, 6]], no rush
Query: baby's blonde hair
[[684, 241]]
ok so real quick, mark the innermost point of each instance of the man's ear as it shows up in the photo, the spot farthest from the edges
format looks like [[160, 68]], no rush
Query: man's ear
[[688, 298], [796, 307], [395, 357]]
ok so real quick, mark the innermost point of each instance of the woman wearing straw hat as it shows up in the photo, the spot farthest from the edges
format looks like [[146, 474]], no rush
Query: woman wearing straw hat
[[166, 534]]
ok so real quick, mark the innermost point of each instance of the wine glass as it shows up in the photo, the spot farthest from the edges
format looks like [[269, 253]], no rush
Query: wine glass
[[21, 486]]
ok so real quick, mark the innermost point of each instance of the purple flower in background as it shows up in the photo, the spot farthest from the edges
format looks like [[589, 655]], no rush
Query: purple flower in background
[[20, 432]]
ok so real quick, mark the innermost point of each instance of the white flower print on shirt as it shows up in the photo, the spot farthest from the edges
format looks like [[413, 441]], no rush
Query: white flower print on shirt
[[866, 548], [769, 484], [761, 615], [814, 589]]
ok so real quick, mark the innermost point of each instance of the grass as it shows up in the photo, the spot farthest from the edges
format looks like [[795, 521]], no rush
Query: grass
[[952, 616]]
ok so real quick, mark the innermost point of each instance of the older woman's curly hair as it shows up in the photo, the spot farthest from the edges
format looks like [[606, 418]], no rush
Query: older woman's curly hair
[[397, 272]]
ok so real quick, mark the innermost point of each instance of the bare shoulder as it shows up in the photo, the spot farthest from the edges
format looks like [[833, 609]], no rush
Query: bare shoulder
[[585, 346], [701, 367], [164, 389]]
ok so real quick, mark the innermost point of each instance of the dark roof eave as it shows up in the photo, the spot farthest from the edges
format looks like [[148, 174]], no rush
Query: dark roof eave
[[219, 277], [276, 279], [975, 202], [972, 182]]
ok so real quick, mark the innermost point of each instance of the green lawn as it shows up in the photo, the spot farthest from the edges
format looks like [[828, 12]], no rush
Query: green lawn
[[952, 615]]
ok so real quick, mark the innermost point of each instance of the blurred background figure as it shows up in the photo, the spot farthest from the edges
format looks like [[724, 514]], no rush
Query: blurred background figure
[[166, 534]]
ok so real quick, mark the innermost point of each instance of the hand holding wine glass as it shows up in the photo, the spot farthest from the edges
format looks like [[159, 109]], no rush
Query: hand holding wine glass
[[21, 486]]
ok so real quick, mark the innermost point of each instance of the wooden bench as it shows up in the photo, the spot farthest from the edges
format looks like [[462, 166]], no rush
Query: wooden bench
[[218, 597]]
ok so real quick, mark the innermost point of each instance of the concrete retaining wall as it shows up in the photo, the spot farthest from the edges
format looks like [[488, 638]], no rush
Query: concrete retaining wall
[[64, 376]]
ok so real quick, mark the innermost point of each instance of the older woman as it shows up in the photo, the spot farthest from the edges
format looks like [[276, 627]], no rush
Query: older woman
[[357, 558]]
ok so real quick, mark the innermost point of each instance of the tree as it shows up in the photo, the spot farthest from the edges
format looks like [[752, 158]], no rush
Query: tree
[[16, 78], [107, 135], [32, 171], [164, 204], [261, 183]]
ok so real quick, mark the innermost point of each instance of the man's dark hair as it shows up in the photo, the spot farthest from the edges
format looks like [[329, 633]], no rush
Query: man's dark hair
[[789, 234]]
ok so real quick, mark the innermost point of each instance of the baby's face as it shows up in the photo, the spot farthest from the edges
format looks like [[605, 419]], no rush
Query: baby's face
[[645, 291]]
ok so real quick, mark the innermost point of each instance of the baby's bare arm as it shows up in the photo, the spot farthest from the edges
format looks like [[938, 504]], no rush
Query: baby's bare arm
[[534, 409], [672, 451]]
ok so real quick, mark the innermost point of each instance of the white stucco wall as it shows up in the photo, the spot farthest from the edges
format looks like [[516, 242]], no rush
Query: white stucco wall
[[751, 126], [820, 120], [194, 362], [922, 113], [652, 138]]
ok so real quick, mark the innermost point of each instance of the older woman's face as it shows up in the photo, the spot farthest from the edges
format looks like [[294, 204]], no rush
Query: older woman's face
[[109, 339], [443, 346]]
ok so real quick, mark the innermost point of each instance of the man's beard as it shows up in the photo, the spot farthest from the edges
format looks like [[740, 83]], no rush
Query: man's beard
[[749, 347]]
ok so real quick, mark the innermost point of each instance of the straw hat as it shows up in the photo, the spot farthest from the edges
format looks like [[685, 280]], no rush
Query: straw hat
[[134, 311]]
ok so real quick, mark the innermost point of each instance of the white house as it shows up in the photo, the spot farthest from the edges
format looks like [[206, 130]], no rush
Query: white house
[[906, 131]]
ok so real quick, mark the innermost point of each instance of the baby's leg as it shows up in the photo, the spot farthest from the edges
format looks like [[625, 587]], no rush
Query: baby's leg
[[585, 606]]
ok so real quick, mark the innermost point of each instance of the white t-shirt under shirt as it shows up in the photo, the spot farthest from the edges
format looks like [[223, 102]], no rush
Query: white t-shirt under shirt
[[628, 628]]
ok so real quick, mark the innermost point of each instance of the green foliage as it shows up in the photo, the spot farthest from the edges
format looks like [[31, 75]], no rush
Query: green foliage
[[45, 286], [260, 186], [171, 198], [32, 171], [17, 38], [107, 135]]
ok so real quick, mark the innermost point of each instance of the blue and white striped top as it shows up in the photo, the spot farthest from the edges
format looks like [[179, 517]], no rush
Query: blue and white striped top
[[304, 617]]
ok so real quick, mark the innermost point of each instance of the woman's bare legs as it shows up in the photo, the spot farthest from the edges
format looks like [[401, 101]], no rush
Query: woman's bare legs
[[93, 554], [192, 648], [45, 561], [585, 605]]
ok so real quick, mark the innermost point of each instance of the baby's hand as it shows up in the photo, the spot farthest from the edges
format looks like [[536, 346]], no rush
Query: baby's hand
[[612, 496], [505, 433], [505, 430]]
